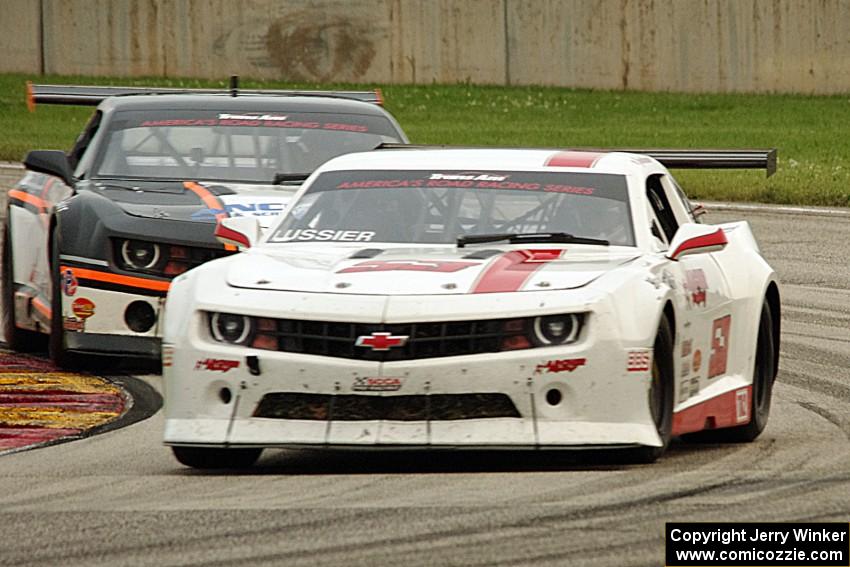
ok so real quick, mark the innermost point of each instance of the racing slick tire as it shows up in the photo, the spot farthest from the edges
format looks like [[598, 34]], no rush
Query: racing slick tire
[[764, 375], [17, 339], [59, 354], [206, 458], [660, 396]]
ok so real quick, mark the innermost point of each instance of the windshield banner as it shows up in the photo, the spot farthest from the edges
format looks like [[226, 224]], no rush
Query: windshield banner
[[590, 184]]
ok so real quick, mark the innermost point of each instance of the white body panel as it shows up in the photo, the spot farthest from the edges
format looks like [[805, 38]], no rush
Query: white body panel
[[715, 300]]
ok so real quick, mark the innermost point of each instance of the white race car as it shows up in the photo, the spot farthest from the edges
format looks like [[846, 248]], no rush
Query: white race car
[[474, 298]]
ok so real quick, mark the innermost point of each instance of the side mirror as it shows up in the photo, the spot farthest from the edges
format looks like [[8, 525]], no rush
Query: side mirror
[[51, 162], [242, 232], [695, 238], [698, 210]]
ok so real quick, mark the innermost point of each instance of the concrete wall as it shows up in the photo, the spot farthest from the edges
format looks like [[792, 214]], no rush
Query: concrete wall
[[20, 36], [682, 45]]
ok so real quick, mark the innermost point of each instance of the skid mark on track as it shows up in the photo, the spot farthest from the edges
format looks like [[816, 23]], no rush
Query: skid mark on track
[[40, 404], [840, 422]]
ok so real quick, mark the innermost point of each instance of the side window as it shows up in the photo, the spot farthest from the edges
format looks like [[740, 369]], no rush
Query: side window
[[657, 198], [655, 228], [83, 140]]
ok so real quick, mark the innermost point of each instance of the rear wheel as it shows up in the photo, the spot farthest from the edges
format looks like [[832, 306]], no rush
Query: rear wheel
[[206, 458], [660, 396], [762, 393], [21, 340]]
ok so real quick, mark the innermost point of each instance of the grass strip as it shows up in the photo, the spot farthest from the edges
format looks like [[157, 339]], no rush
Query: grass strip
[[807, 130]]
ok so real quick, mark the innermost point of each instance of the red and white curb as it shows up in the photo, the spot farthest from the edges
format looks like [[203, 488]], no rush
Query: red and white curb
[[40, 404]]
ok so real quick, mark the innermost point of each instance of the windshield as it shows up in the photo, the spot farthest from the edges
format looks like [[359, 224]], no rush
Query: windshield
[[431, 207], [223, 146]]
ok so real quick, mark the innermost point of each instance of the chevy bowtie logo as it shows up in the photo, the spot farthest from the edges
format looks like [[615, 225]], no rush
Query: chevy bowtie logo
[[381, 341]]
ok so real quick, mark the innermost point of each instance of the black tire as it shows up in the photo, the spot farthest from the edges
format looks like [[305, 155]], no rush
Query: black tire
[[764, 375], [59, 354], [660, 396], [206, 458], [20, 340]]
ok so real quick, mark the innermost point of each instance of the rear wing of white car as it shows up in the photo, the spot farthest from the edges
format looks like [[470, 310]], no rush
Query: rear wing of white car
[[672, 158], [79, 95]]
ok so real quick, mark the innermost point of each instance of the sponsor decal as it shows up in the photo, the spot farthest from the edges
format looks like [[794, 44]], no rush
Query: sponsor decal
[[240, 210], [267, 120], [683, 391], [742, 405], [697, 362], [467, 181], [686, 369], [69, 283], [694, 386], [638, 360], [687, 345], [216, 364], [469, 176], [83, 307], [556, 366], [376, 384], [381, 184], [719, 346], [167, 355], [73, 324], [381, 341], [226, 116], [307, 234], [407, 266], [696, 287]]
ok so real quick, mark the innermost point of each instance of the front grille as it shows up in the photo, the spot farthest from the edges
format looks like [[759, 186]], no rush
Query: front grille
[[198, 256], [349, 407], [426, 340]]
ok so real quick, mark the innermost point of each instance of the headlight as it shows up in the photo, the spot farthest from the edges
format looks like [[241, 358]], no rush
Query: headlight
[[159, 258], [556, 329], [140, 255], [256, 332], [229, 328]]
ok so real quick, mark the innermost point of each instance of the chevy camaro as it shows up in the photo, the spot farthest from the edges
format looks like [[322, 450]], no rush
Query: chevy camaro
[[94, 237], [474, 298]]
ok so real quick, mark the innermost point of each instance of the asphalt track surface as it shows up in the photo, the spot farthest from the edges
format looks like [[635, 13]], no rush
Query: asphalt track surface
[[119, 498]]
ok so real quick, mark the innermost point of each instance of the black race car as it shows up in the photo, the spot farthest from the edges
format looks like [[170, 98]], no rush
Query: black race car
[[94, 237]]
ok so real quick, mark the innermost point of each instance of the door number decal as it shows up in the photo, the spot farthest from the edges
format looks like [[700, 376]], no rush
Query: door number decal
[[719, 346]]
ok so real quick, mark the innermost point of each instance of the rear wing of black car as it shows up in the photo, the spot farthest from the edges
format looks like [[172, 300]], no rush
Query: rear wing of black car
[[78, 95], [672, 158]]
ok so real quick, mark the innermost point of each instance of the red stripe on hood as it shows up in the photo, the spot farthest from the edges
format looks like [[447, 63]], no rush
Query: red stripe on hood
[[510, 271]]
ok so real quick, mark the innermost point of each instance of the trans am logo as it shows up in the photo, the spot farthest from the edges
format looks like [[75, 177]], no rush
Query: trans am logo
[[240, 210]]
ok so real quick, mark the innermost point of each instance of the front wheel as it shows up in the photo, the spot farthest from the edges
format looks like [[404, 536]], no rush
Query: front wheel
[[207, 458], [18, 339], [660, 396]]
